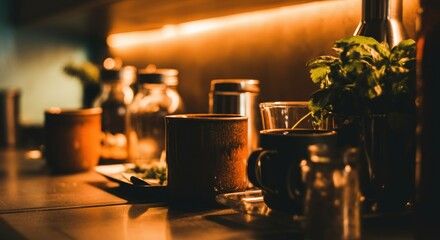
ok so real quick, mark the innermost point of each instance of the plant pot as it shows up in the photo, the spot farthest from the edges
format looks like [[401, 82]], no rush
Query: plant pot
[[388, 180], [387, 162]]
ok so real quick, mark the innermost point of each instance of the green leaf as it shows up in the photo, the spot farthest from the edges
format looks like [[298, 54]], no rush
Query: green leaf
[[320, 99], [365, 77], [322, 61], [349, 42], [319, 74], [404, 50]]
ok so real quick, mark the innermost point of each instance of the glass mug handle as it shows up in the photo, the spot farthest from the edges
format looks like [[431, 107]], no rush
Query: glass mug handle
[[293, 174], [254, 169]]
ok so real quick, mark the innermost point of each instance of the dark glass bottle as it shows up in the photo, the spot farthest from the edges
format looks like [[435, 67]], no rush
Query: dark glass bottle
[[382, 20], [387, 167], [428, 126], [114, 98]]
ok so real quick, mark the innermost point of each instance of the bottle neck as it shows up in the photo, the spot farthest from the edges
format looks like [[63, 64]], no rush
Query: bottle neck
[[430, 15], [374, 9], [116, 90], [382, 20], [381, 10]]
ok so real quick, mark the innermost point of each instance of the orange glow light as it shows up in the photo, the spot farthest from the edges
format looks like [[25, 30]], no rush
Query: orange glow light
[[112, 63], [169, 32]]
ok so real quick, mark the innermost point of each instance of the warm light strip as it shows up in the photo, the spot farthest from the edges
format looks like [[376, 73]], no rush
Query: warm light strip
[[169, 32]]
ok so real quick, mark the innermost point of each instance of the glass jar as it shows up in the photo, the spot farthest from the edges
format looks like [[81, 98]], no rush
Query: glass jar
[[333, 197], [172, 82], [114, 98], [146, 119]]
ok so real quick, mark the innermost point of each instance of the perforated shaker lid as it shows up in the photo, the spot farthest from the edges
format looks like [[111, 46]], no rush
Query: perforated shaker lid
[[171, 75], [109, 75], [235, 85], [151, 77]]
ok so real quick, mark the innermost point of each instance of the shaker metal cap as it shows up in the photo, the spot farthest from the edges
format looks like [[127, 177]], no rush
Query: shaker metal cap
[[235, 85], [109, 75], [149, 77], [171, 76]]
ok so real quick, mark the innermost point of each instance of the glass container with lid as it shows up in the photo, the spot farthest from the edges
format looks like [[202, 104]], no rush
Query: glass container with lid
[[332, 206], [146, 119], [115, 95], [172, 82]]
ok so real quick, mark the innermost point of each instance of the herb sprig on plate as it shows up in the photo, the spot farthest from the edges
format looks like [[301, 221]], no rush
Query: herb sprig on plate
[[158, 171]]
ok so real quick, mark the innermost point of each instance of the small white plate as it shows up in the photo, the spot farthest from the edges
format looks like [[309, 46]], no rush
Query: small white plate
[[114, 172]]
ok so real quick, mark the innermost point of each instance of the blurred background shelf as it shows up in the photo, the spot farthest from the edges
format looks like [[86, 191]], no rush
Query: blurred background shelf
[[98, 18], [268, 40]]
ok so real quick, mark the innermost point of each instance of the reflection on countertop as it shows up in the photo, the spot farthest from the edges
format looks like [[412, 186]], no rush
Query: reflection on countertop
[[88, 206]]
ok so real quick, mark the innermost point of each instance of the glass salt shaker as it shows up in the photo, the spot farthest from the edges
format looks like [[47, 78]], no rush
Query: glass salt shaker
[[238, 96], [146, 120], [115, 95], [333, 198]]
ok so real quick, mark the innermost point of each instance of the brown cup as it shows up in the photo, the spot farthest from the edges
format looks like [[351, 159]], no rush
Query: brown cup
[[72, 139], [206, 155]]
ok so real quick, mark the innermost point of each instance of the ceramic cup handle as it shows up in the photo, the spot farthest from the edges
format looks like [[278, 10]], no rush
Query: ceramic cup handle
[[254, 170]]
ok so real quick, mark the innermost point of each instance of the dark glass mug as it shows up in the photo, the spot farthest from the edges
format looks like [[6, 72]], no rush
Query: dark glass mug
[[275, 167]]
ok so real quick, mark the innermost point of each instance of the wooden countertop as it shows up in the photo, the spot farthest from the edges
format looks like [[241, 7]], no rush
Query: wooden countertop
[[35, 204]]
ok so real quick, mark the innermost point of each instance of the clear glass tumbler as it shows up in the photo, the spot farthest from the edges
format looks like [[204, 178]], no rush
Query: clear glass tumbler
[[286, 114]]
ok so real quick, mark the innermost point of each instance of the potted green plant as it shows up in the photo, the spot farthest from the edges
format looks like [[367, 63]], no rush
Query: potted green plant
[[88, 74], [367, 92]]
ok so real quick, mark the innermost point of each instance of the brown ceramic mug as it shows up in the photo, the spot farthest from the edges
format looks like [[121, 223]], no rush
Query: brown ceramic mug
[[72, 139], [206, 155]]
